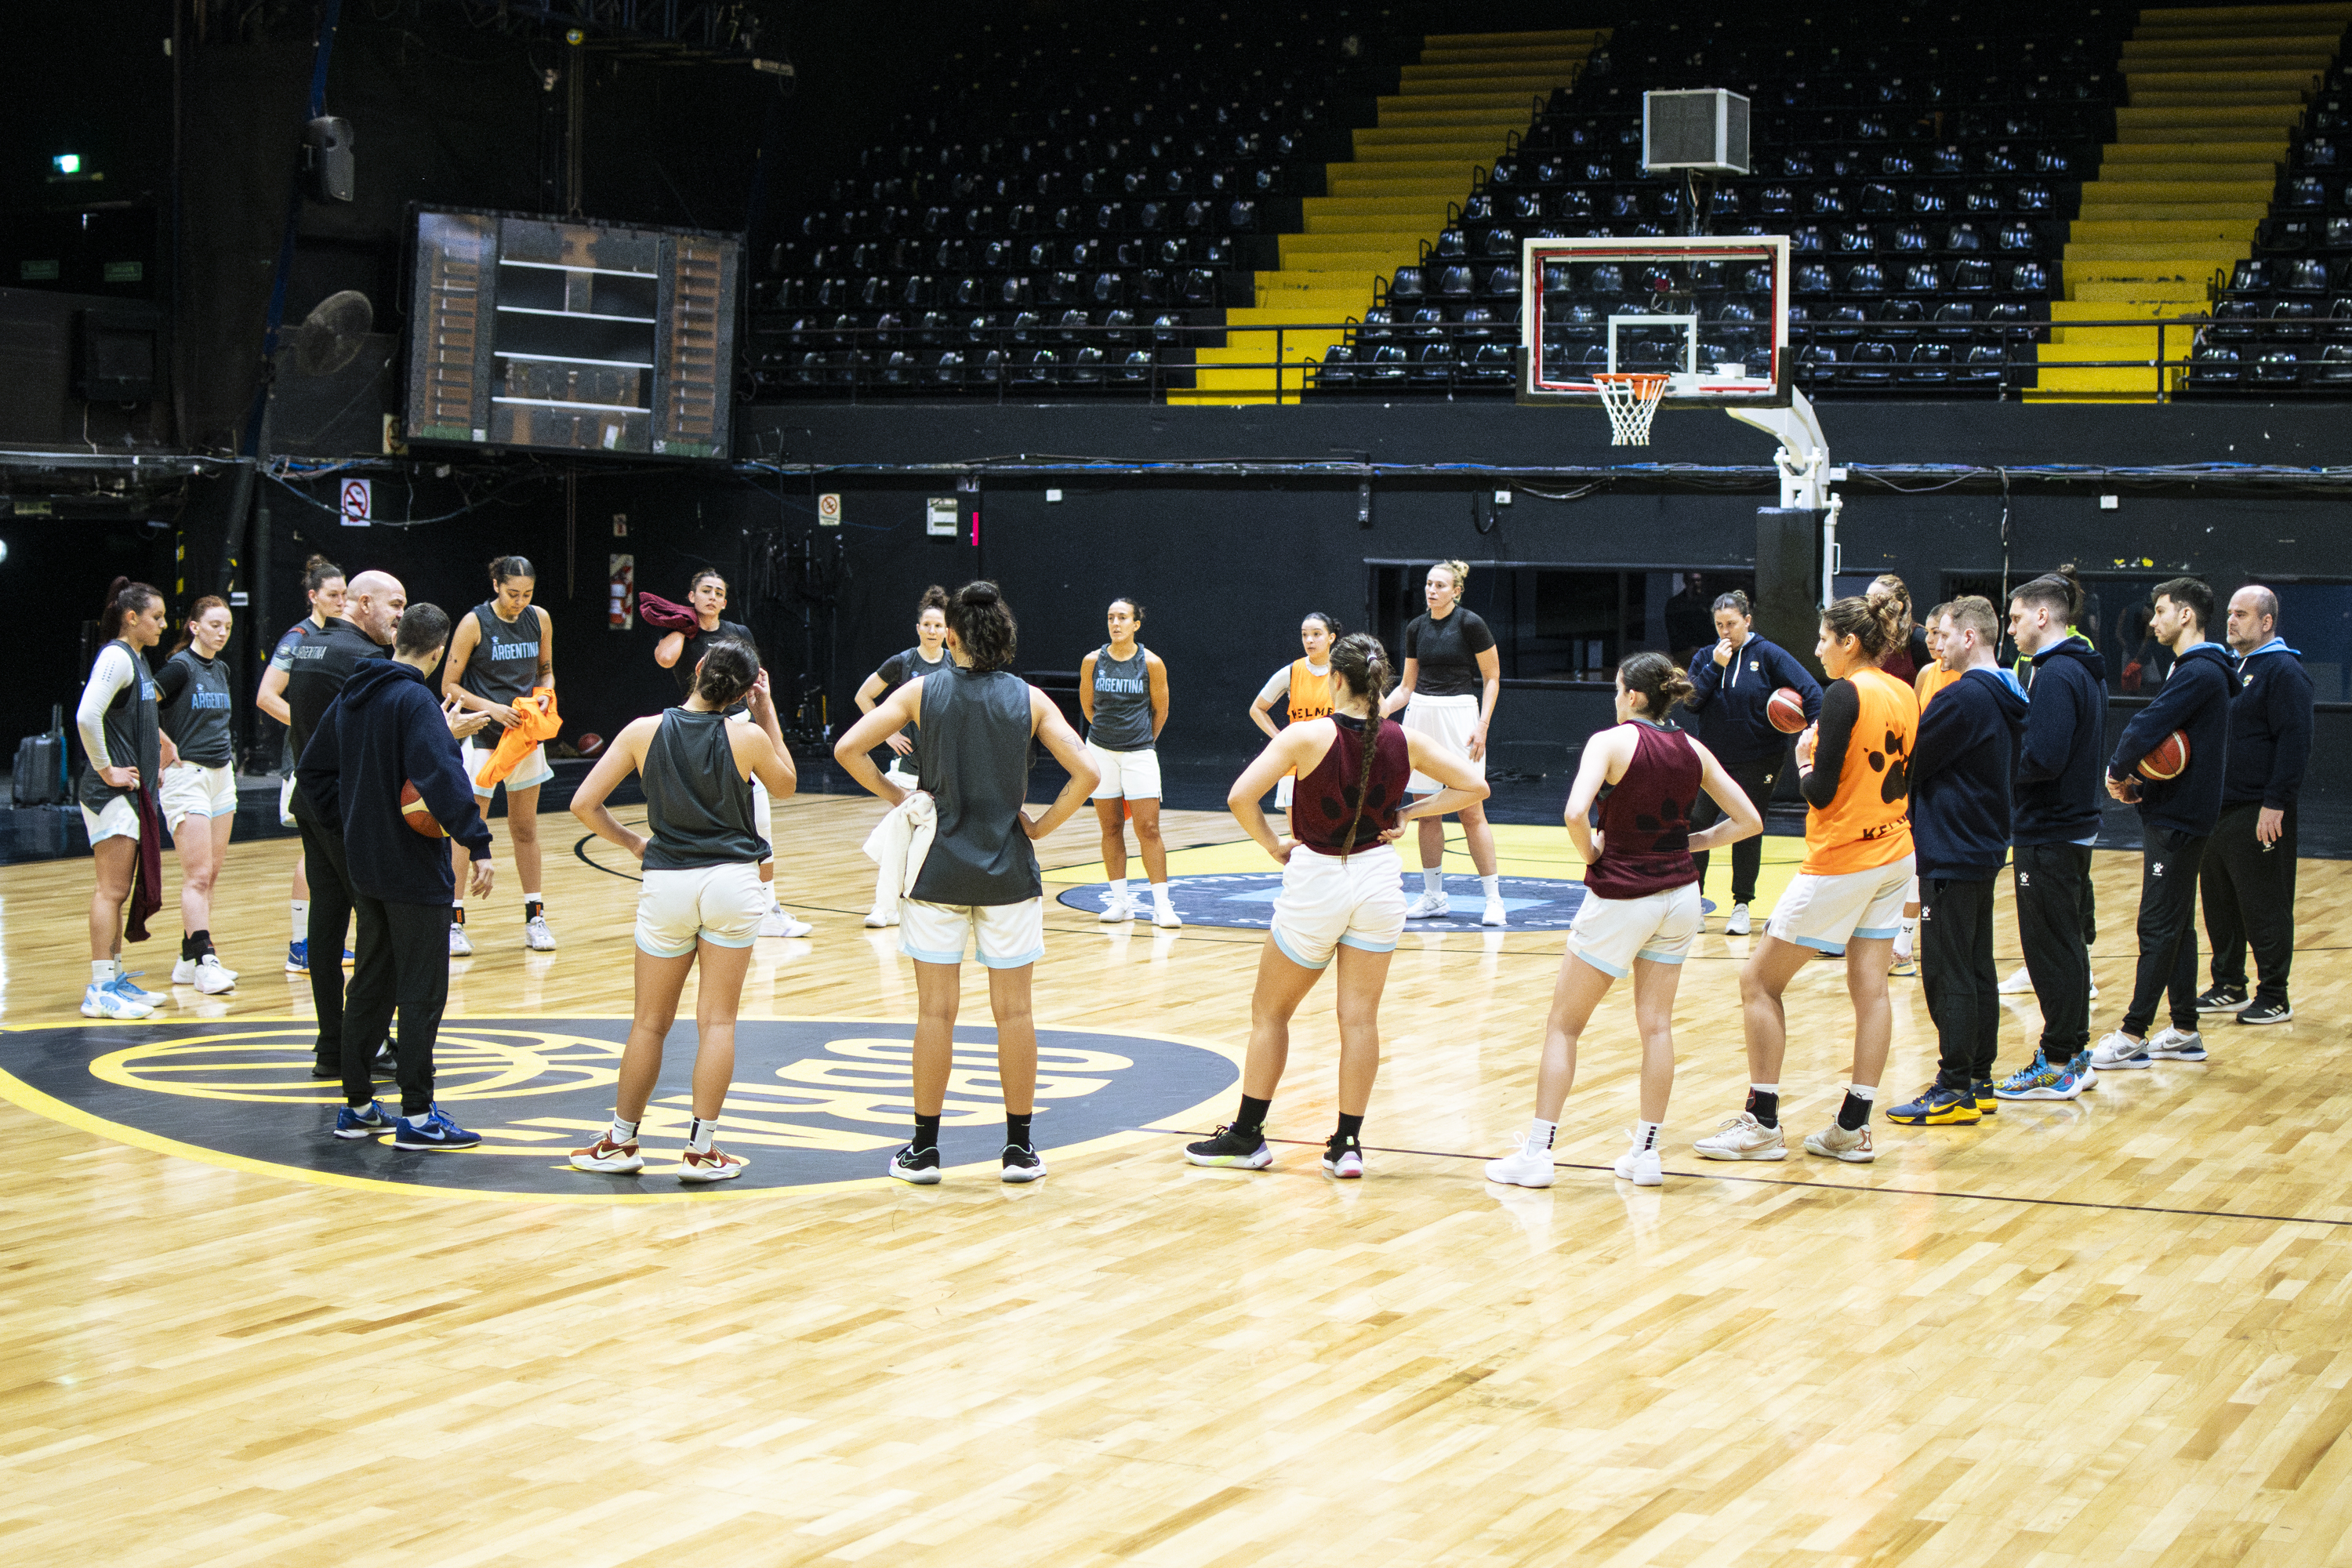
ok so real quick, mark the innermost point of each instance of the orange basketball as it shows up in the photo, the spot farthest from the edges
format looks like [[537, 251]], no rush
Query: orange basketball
[[1786, 709], [2168, 761], [416, 814]]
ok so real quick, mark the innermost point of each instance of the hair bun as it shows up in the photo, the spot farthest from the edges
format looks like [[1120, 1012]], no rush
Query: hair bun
[[980, 594]]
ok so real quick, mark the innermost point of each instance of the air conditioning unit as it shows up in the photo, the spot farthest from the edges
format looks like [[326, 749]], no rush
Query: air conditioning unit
[[1703, 130]]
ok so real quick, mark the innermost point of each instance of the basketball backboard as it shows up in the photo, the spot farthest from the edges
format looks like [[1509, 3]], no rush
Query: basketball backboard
[[1710, 312]]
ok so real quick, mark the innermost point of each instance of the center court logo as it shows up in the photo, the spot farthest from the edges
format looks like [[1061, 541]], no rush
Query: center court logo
[[813, 1101], [1245, 900]]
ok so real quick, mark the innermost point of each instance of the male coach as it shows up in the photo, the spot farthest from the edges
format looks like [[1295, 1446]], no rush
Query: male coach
[[2248, 874]]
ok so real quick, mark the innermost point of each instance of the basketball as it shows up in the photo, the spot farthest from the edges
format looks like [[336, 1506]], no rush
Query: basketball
[[2168, 761], [416, 814], [1786, 709]]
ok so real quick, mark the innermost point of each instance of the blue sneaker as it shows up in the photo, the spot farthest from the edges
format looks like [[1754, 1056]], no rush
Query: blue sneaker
[[1938, 1106], [2038, 1079], [362, 1120], [434, 1130], [297, 958], [125, 986], [105, 1002]]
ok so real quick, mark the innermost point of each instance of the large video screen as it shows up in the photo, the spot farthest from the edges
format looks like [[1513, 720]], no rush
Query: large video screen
[[587, 337]]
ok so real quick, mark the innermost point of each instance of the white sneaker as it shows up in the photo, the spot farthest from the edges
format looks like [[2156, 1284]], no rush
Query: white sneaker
[[1835, 1143], [2118, 1052], [536, 936], [461, 944], [210, 978], [1737, 924], [2018, 985], [105, 1002], [876, 920], [1744, 1137], [1523, 1167], [1640, 1167], [2094, 987], [1429, 906], [1116, 911], [184, 972], [1165, 917], [1495, 914], [777, 923], [2169, 1045]]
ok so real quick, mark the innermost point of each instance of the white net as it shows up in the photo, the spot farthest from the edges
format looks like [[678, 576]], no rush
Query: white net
[[1632, 400]]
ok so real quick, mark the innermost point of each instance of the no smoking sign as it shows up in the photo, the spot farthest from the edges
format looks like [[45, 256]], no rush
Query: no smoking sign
[[356, 502]]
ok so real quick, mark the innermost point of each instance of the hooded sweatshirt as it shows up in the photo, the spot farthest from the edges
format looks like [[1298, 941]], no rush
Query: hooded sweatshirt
[[1961, 771], [2270, 729], [2195, 700], [2058, 788], [383, 731], [1729, 700]]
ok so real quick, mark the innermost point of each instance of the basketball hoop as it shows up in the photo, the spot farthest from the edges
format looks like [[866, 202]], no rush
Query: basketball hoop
[[1631, 399]]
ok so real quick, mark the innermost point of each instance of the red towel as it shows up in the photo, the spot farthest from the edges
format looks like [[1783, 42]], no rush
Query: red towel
[[147, 872], [663, 616]]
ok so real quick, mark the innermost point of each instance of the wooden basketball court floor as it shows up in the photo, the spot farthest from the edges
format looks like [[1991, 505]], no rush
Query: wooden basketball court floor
[[2105, 1331]]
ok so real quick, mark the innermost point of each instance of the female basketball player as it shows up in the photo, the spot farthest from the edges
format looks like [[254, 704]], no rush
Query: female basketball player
[[978, 885], [1452, 677], [323, 584], [128, 753], [701, 902], [500, 651], [1640, 910], [1848, 895], [679, 652], [199, 794], [1909, 655], [1306, 682], [925, 658], [1732, 685], [1341, 892], [1123, 690]]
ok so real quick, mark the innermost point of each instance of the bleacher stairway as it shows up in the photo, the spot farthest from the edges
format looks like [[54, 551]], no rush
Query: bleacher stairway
[[2214, 94], [1452, 112]]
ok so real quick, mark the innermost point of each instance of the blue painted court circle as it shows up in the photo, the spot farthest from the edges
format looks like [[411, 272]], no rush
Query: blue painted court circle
[[1245, 899], [814, 1101]]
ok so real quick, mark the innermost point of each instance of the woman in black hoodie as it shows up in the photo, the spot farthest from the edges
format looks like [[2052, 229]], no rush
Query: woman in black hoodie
[[1730, 685]]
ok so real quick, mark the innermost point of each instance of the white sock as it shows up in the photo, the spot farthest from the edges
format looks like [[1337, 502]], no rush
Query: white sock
[[1864, 1095], [1645, 1137], [620, 1132], [302, 908], [101, 971], [1160, 895], [1540, 1134], [1432, 878], [1117, 890], [699, 1136], [1493, 885], [530, 899]]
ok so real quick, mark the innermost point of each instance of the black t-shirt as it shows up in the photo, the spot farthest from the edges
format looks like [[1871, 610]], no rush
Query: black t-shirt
[[697, 643], [322, 662], [1448, 651], [902, 668]]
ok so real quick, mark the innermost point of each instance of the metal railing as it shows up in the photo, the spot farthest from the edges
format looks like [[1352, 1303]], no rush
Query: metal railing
[[1147, 361]]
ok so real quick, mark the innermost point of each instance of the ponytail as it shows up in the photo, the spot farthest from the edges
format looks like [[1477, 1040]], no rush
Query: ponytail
[[124, 597], [1363, 664]]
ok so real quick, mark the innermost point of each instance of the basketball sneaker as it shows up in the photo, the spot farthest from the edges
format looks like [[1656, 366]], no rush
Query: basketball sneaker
[[1905, 967], [1523, 1167], [608, 1157], [1640, 1167], [1344, 1162], [1022, 1164], [1165, 917], [779, 922], [2020, 983], [1835, 1143], [921, 1166], [1988, 1103], [1428, 906], [2037, 1079], [1118, 908], [461, 944], [536, 936], [297, 958], [2224, 999], [712, 1165], [1495, 914], [1937, 1107], [2176, 1046], [1738, 925], [2266, 1012], [434, 1130], [1744, 1137], [126, 986], [207, 974], [362, 1120], [2118, 1052], [1231, 1148], [105, 1002], [876, 920]]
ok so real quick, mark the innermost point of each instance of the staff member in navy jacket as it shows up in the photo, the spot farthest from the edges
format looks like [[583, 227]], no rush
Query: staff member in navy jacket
[[385, 730], [2248, 873], [1960, 810], [1730, 684], [2057, 821], [2177, 817]]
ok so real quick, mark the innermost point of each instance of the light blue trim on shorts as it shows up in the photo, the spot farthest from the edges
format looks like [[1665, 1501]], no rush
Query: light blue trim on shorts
[[1275, 932], [1874, 934], [1360, 945], [921, 957], [1611, 970], [1648, 957], [1816, 943], [1025, 959], [706, 935], [686, 951]]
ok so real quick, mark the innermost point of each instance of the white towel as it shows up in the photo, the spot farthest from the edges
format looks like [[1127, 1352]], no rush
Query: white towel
[[899, 845]]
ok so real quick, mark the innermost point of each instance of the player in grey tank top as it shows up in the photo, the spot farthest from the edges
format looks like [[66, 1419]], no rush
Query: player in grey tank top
[[199, 793], [1123, 690], [700, 902], [499, 650], [978, 886]]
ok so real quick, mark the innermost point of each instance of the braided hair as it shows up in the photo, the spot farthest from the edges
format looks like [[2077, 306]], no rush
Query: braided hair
[[1361, 662]]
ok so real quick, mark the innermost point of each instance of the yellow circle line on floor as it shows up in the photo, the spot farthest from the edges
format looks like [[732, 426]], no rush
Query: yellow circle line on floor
[[40, 1103]]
